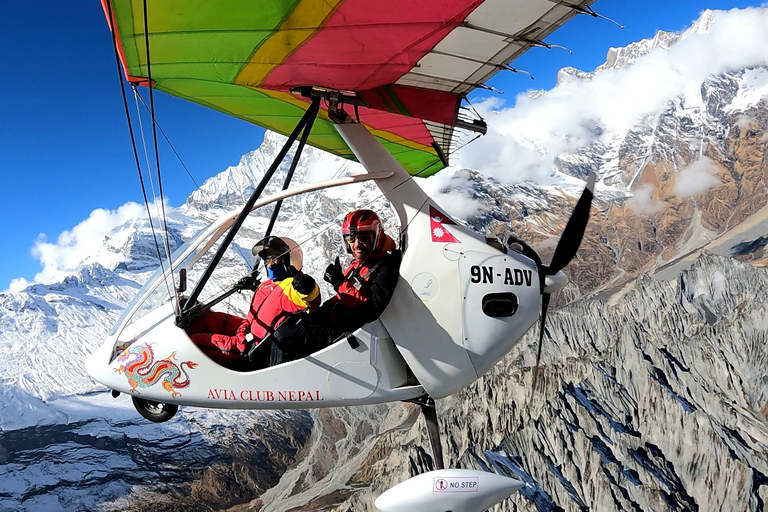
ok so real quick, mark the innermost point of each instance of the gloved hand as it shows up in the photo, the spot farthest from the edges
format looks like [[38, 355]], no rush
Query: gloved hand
[[333, 274], [249, 282], [303, 283]]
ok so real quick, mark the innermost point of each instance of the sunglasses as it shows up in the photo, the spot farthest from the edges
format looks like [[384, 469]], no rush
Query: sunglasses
[[364, 237]]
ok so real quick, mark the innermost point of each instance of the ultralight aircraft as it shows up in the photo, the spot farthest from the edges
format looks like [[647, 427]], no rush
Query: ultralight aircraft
[[382, 82]]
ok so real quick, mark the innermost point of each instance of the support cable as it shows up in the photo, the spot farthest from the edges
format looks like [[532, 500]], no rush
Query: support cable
[[146, 154], [132, 135], [164, 219], [178, 156], [162, 132], [191, 308]]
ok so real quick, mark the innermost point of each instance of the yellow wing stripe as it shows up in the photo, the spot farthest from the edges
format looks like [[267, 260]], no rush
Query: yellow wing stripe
[[305, 19]]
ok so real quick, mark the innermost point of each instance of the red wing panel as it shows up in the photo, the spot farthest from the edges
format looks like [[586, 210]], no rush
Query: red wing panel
[[243, 57], [435, 106], [366, 44]]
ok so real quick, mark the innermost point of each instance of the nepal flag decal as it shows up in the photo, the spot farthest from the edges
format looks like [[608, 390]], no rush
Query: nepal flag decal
[[437, 223]]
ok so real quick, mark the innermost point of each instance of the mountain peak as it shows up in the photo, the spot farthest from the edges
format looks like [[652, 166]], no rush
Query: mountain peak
[[236, 183], [703, 24], [625, 56]]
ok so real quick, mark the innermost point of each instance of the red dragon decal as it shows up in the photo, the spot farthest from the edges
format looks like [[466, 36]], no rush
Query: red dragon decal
[[139, 365]]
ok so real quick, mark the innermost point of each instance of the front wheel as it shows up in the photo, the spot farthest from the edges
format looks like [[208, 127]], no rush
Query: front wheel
[[154, 411]]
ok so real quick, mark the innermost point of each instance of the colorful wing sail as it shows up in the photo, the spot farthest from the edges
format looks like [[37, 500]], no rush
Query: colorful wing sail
[[411, 61]]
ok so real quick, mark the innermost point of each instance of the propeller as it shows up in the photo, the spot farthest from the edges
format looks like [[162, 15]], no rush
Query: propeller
[[564, 252]]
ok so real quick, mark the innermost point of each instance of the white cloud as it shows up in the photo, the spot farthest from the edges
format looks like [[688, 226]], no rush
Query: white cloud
[[698, 177], [325, 166], [744, 122], [82, 244], [523, 141], [454, 192], [642, 201], [18, 284]]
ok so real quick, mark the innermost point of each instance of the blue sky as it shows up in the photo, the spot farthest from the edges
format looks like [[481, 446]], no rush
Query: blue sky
[[64, 145]]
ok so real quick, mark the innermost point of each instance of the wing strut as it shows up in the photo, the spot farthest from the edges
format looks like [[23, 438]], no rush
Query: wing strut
[[289, 176], [191, 307]]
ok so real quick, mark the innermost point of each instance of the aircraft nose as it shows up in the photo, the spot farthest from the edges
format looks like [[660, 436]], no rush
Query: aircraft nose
[[97, 364]]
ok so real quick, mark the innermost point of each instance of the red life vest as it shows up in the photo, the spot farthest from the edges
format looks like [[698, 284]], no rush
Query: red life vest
[[274, 302]]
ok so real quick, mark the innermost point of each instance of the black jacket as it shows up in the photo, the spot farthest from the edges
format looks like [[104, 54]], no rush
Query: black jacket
[[377, 287]]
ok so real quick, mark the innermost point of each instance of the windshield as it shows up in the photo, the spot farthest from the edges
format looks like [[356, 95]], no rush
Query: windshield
[[160, 295], [311, 219]]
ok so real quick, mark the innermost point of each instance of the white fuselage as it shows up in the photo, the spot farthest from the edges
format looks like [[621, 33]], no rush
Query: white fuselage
[[459, 306]]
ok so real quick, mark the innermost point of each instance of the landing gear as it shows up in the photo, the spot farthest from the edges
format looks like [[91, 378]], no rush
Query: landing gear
[[427, 404], [157, 412]]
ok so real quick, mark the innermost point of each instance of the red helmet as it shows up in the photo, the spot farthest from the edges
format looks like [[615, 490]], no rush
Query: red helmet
[[361, 221]]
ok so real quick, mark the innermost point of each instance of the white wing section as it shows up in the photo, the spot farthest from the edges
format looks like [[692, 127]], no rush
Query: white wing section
[[492, 36]]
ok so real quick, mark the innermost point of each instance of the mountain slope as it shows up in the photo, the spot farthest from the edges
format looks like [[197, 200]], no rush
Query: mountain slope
[[654, 396], [58, 427]]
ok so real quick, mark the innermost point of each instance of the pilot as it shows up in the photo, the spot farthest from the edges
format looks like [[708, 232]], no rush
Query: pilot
[[363, 290], [227, 338]]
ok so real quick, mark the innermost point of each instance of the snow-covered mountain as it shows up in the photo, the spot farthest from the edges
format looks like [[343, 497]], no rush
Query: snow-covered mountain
[[654, 391]]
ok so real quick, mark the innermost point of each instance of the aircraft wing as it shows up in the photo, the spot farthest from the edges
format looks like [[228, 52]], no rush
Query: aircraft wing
[[410, 61]]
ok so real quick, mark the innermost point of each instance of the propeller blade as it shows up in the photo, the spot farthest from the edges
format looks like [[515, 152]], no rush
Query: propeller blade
[[574, 231], [544, 307]]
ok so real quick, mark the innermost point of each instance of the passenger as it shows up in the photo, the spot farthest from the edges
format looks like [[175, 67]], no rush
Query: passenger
[[364, 290], [227, 338]]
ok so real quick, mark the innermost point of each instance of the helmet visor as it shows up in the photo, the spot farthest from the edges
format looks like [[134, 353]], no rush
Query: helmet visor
[[269, 247], [367, 238], [273, 248]]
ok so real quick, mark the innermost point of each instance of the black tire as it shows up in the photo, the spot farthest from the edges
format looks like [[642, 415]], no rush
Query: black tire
[[157, 412]]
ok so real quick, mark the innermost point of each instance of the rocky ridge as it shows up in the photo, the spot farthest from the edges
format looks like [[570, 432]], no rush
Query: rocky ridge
[[619, 376]]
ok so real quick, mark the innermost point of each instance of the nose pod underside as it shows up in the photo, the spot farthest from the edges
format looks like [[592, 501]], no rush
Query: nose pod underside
[[457, 490]]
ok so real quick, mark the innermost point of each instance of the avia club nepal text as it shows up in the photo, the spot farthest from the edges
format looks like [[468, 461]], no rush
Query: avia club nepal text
[[255, 395]]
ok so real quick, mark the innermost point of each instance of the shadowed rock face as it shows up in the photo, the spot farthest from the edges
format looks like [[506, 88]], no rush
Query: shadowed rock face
[[650, 401], [127, 464]]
